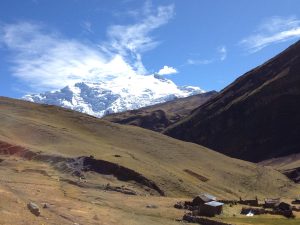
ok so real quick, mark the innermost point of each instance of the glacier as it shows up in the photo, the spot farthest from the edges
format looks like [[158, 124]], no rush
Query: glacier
[[114, 95]]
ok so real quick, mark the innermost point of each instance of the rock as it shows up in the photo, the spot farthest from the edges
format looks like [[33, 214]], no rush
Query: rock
[[152, 206], [189, 218], [45, 205], [34, 209], [179, 205], [122, 190]]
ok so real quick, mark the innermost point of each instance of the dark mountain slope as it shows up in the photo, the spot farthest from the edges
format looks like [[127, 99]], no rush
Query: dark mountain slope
[[160, 116], [256, 117]]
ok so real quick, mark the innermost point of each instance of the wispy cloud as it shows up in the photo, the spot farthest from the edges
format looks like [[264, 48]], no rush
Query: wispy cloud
[[271, 31], [167, 70], [135, 39], [46, 60], [199, 61], [87, 26], [223, 52], [222, 55]]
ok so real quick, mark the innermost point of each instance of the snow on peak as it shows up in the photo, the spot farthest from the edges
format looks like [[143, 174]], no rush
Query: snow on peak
[[115, 95]]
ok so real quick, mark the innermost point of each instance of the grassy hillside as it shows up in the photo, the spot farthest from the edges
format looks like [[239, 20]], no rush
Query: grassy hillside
[[288, 165], [283, 163], [178, 168]]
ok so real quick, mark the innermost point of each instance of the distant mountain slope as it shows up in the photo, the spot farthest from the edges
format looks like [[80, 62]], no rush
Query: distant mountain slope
[[288, 165], [283, 163], [158, 117], [115, 94], [177, 168], [256, 117]]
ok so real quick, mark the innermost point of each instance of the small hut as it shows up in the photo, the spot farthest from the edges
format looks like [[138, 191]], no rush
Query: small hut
[[251, 202], [211, 209], [271, 202], [202, 199]]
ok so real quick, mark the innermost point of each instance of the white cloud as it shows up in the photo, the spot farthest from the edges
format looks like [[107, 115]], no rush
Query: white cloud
[[223, 52], [46, 60], [134, 39], [273, 30], [167, 70]]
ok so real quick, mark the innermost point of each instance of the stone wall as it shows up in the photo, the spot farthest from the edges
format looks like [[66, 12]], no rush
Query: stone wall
[[203, 221]]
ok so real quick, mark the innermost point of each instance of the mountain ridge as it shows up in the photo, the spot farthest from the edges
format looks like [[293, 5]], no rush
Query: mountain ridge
[[115, 94], [159, 116], [254, 118]]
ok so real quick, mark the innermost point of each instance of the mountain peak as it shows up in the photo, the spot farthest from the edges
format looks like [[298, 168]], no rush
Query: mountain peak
[[115, 95]]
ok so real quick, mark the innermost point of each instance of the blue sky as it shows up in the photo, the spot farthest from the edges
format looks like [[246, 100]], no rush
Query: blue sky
[[47, 44]]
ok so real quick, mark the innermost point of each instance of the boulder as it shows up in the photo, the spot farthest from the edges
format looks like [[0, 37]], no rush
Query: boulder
[[34, 209]]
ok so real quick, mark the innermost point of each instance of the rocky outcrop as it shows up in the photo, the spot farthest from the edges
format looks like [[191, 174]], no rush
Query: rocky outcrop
[[120, 172], [77, 166]]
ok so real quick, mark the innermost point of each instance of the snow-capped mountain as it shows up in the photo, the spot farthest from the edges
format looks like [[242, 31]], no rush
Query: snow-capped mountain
[[115, 95]]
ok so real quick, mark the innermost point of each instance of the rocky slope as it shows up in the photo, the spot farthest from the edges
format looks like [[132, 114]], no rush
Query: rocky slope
[[256, 117], [115, 94], [160, 116]]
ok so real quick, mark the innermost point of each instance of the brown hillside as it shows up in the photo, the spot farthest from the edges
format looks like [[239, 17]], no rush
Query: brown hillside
[[160, 116], [153, 161], [255, 118]]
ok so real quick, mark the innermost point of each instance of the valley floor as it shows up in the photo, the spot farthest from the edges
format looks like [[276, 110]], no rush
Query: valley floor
[[73, 201]]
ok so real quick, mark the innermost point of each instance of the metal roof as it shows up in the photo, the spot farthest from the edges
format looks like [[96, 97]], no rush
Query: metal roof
[[207, 197], [272, 200], [214, 203]]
